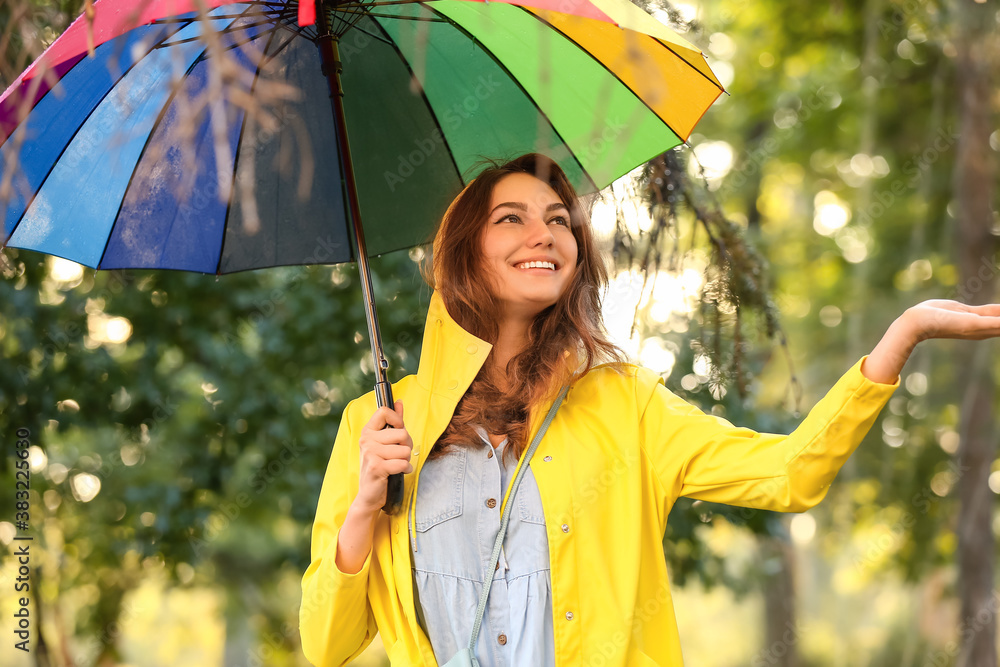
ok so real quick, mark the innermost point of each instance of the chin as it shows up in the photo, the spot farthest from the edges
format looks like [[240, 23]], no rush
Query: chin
[[532, 307]]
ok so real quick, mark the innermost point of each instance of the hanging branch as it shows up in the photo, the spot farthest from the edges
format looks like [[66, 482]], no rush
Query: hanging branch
[[736, 286]]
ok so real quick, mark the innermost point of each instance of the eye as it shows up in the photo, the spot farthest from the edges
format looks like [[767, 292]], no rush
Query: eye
[[509, 216], [561, 220]]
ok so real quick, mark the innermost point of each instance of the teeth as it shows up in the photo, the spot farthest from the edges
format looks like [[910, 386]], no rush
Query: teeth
[[537, 265]]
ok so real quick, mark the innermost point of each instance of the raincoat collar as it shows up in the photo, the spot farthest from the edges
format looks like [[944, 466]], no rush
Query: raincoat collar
[[450, 356]]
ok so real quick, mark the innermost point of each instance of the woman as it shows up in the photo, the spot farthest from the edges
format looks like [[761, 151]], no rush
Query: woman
[[581, 578]]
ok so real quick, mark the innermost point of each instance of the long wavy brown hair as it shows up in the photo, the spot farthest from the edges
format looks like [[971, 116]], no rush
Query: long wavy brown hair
[[564, 338]]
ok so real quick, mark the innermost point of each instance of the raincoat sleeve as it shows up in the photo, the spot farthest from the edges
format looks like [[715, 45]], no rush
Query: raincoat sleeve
[[336, 622], [703, 456]]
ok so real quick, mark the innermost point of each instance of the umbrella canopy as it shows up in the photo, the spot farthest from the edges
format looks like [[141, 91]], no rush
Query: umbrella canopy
[[91, 158], [94, 163]]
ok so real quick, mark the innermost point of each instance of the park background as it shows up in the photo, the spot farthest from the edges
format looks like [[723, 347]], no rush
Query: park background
[[181, 423]]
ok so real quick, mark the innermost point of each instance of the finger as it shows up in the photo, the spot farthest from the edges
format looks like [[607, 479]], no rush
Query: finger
[[391, 436], [990, 309], [394, 451], [394, 466], [384, 416]]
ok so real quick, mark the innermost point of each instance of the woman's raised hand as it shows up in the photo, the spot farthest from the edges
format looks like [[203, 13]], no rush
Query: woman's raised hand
[[944, 318], [935, 318], [384, 452]]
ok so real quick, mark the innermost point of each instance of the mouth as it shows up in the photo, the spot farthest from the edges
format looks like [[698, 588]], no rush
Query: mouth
[[538, 266]]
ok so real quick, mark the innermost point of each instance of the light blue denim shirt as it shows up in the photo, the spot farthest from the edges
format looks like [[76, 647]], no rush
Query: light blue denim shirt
[[457, 520]]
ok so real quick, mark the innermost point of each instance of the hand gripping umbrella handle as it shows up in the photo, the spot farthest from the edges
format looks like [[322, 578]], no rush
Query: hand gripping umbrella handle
[[394, 484]]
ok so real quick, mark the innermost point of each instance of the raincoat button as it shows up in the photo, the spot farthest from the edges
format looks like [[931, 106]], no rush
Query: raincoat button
[[569, 616], [547, 458], [565, 527], [472, 349], [502, 639], [396, 529], [452, 384], [491, 503]]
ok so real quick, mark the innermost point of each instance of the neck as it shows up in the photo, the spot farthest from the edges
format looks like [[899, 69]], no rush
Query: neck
[[511, 339]]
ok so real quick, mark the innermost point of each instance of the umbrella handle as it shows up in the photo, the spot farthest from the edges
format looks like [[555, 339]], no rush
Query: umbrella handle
[[394, 484]]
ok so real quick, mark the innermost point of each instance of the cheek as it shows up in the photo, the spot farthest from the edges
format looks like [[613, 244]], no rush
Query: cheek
[[572, 250]]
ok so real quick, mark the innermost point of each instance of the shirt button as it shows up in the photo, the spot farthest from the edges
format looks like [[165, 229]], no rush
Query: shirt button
[[502, 639], [491, 503], [569, 616], [497, 567], [490, 455], [565, 527], [472, 349], [547, 458]]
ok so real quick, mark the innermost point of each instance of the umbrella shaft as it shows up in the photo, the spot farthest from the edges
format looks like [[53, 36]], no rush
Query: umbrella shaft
[[332, 67]]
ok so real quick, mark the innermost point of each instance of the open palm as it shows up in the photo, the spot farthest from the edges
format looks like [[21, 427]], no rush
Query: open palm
[[945, 318]]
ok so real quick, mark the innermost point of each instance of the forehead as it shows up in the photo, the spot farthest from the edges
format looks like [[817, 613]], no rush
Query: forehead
[[524, 188]]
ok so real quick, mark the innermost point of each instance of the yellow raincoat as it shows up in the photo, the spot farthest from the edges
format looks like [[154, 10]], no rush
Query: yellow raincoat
[[620, 451]]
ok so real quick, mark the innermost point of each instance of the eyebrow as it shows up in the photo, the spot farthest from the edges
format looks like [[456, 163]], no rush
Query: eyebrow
[[521, 207]]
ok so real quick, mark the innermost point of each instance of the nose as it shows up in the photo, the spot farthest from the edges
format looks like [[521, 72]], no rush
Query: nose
[[537, 233]]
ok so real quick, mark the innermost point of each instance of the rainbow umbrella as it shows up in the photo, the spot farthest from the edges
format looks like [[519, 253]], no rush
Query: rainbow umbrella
[[135, 155]]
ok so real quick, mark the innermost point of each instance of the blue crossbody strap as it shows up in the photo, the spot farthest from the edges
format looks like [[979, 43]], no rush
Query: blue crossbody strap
[[488, 578]]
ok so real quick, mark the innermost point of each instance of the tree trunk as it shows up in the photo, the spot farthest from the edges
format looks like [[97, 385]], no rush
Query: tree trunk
[[240, 637], [781, 633], [977, 263]]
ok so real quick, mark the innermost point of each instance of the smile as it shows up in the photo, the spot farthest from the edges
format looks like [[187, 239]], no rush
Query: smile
[[536, 265]]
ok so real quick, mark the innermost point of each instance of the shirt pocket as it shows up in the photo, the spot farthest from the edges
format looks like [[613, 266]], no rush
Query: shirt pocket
[[440, 490], [529, 501]]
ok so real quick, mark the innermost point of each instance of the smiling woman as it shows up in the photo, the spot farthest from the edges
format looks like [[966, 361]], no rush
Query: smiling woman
[[529, 254], [543, 323], [558, 545], [529, 249]]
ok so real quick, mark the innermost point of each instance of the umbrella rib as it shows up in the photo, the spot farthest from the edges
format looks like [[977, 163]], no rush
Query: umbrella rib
[[239, 145], [272, 56], [398, 17], [296, 32], [41, 184], [427, 102], [223, 32], [179, 19], [606, 68], [517, 83], [404, 18], [705, 76], [357, 19], [376, 4], [149, 138], [381, 39], [262, 33]]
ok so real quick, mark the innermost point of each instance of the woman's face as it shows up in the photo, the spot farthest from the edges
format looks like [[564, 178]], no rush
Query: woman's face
[[528, 222]]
